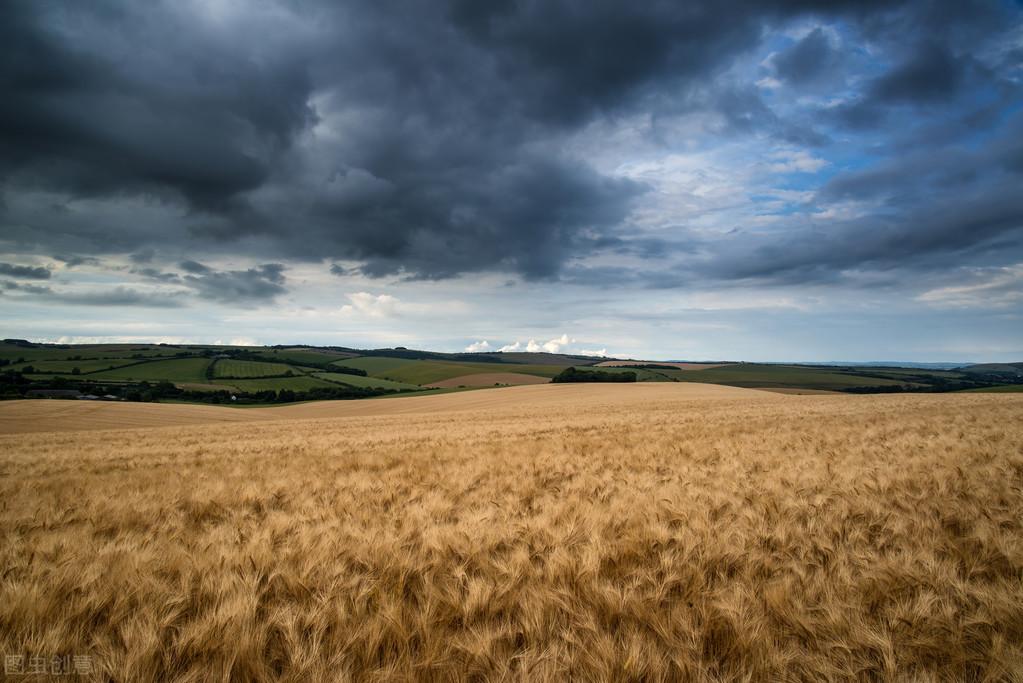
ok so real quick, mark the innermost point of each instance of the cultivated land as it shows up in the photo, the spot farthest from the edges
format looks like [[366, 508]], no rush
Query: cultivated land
[[489, 379], [653, 531], [278, 374]]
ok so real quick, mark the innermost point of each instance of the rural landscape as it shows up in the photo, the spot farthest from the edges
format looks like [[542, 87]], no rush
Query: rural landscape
[[511, 341], [241, 375], [665, 528]]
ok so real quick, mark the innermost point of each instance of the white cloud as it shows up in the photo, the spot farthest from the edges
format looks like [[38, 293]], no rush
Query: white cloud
[[602, 353], [374, 306], [237, 341], [797, 161], [476, 347], [555, 345]]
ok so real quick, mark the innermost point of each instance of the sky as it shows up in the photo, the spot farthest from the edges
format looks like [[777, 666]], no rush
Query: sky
[[777, 180]]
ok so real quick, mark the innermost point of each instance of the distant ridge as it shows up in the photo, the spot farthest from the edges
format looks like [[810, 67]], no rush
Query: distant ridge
[[842, 363]]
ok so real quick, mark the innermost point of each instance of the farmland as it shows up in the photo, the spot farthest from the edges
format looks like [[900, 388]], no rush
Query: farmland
[[757, 375], [66, 367], [300, 383], [246, 369], [652, 531], [257, 374], [357, 381], [173, 370], [426, 372]]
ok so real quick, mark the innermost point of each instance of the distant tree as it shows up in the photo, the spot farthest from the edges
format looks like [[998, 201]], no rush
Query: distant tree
[[76, 371]]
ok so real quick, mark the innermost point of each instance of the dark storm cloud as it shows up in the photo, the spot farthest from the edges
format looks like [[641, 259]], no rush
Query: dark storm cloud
[[931, 74], [974, 227], [142, 256], [417, 139], [455, 116], [235, 286], [262, 283], [26, 272], [811, 60], [156, 274], [117, 296], [21, 287], [175, 111], [71, 261]]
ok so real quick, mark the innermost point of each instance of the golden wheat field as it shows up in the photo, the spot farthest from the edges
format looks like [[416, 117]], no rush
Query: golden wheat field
[[653, 532]]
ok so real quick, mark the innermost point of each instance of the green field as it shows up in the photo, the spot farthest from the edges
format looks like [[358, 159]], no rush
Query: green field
[[251, 369], [357, 381], [1003, 389], [427, 371], [376, 366], [302, 383], [301, 356], [909, 372], [13, 352], [754, 375], [65, 367], [174, 370], [265, 368]]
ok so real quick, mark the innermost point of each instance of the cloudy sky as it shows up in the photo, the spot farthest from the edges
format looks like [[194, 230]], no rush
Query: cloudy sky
[[726, 179]]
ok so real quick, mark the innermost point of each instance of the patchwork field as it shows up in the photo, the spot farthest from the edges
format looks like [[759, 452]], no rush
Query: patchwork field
[[655, 531], [431, 372], [489, 379], [175, 370], [243, 369], [359, 381]]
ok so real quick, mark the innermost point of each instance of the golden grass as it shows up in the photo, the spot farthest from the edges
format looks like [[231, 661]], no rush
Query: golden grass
[[642, 536], [20, 417]]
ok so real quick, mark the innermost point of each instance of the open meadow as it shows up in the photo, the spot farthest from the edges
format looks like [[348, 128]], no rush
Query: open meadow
[[652, 531]]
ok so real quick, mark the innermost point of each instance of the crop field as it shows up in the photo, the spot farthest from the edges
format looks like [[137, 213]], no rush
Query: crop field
[[375, 365], [422, 372], [297, 383], [755, 375], [428, 372], [653, 531], [358, 381], [85, 351], [250, 369], [173, 370], [66, 367], [1006, 389], [183, 365], [489, 379], [302, 356]]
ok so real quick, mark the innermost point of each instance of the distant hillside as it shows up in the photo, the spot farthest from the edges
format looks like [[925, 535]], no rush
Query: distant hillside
[[888, 364], [1005, 370], [285, 373]]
